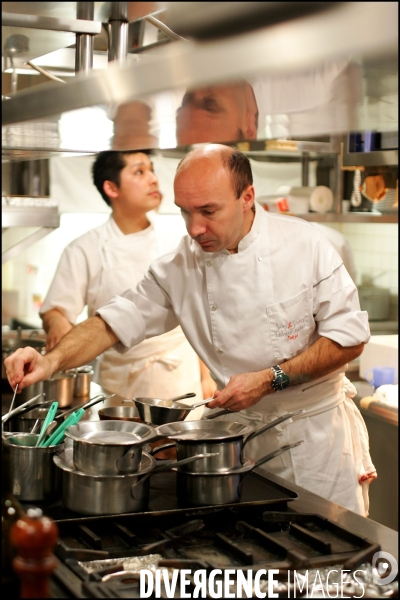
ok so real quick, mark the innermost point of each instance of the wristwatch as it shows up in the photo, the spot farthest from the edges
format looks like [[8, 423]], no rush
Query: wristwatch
[[281, 379]]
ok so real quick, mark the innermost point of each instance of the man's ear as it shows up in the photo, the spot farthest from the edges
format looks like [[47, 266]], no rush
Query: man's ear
[[111, 189], [248, 198]]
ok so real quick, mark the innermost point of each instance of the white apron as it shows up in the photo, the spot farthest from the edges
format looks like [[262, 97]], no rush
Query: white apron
[[335, 462], [164, 366]]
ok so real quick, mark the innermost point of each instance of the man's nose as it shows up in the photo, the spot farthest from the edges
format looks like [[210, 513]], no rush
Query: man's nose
[[196, 226]]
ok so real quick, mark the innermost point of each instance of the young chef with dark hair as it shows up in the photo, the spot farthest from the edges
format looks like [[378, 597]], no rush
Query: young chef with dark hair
[[112, 258], [267, 304]]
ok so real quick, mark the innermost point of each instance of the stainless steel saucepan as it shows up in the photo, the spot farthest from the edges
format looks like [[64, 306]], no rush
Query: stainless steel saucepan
[[109, 447], [207, 489], [108, 494], [226, 440]]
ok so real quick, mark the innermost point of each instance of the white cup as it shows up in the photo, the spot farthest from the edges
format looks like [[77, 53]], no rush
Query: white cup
[[345, 206]]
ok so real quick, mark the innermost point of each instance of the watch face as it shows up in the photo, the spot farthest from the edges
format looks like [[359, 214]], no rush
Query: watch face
[[280, 382]]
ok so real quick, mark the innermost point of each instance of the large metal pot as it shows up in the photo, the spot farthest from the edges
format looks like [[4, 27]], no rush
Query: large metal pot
[[226, 440], [107, 494], [102, 494], [34, 476], [109, 447], [207, 489]]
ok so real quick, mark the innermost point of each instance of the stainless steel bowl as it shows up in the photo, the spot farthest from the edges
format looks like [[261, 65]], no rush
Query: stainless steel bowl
[[155, 411]]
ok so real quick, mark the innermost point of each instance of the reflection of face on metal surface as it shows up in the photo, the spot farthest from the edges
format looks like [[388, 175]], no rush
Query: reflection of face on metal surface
[[131, 127], [217, 114]]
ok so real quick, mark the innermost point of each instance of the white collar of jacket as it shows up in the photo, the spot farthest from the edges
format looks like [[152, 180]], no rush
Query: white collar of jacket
[[244, 243]]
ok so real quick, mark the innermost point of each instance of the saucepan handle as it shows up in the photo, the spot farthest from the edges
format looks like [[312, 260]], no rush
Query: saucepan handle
[[275, 453], [163, 447], [271, 425], [170, 464], [218, 414]]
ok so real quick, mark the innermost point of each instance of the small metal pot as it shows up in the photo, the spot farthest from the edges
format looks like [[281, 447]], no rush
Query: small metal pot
[[84, 376], [207, 489], [109, 447], [226, 440], [34, 476], [60, 387]]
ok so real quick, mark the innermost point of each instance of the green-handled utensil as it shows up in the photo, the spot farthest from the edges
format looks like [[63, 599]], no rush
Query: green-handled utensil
[[51, 413], [58, 435]]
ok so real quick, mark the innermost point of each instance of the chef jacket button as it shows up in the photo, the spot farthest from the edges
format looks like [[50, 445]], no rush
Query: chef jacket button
[[209, 263], [214, 307], [219, 351], [260, 258]]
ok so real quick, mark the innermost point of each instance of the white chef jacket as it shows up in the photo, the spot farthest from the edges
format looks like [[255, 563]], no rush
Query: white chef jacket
[[244, 312], [104, 262]]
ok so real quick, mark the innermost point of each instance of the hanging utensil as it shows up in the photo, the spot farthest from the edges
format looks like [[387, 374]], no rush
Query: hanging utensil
[[36, 426], [48, 420], [13, 400], [58, 435], [33, 402], [85, 405]]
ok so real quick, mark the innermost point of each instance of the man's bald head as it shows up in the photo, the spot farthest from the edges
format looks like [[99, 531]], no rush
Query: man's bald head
[[216, 155]]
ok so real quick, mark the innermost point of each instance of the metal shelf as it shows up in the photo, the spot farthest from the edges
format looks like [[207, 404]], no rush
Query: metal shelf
[[351, 217]]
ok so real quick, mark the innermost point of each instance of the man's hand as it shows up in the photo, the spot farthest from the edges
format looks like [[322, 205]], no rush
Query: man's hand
[[81, 345], [26, 366], [243, 391]]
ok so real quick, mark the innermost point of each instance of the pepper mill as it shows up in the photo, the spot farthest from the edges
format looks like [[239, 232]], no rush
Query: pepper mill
[[34, 537]]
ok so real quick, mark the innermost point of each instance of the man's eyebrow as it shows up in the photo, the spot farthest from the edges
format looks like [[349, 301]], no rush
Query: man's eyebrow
[[201, 206], [141, 164]]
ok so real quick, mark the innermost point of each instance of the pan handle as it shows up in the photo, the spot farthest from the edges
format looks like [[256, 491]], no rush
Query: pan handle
[[218, 414], [271, 425], [170, 464], [275, 453], [163, 447]]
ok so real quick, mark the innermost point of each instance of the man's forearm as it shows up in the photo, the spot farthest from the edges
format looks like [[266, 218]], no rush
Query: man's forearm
[[54, 318], [82, 344], [322, 358]]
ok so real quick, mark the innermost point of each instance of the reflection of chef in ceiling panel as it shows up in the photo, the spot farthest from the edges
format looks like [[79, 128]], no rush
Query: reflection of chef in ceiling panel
[[275, 106]]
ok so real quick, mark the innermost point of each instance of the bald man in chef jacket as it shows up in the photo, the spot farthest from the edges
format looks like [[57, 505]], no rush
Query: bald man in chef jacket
[[268, 305]]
